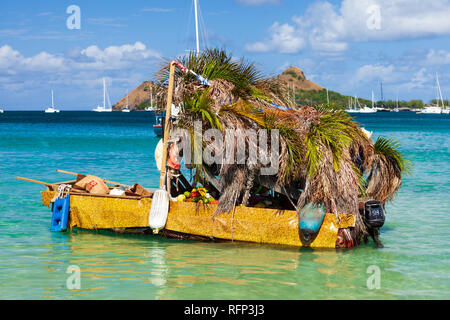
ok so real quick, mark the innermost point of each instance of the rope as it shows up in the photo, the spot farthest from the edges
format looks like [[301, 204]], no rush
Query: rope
[[63, 190]]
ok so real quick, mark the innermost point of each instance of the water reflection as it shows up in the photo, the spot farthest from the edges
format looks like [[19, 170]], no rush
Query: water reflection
[[147, 267], [159, 266]]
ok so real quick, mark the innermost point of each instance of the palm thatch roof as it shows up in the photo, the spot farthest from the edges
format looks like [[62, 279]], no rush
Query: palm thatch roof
[[324, 155]]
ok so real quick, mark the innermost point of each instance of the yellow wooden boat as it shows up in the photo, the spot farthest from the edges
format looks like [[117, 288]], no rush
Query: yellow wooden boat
[[190, 219], [195, 220]]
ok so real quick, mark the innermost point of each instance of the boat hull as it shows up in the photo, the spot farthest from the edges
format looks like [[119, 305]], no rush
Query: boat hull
[[259, 225], [158, 130]]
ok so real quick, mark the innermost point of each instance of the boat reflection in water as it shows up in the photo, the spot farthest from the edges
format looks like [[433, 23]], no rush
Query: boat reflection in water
[[161, 268]]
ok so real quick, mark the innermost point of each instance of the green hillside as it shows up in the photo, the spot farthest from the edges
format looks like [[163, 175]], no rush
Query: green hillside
[[318, 97]]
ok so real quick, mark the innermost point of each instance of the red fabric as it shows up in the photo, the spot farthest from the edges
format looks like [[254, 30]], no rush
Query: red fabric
[[173, 162]]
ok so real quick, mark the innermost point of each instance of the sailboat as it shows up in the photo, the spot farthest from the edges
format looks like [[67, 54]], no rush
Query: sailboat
[[435, 109], [1, 110], [396, 106], [151, 108], [104, 108], [355, 107], [444, 109], [351, 108], [365, 109], [126, 109], [52, 108]]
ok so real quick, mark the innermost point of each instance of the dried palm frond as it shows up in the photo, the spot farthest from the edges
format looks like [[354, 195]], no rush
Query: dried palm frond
[[388, 166], [322, 151]]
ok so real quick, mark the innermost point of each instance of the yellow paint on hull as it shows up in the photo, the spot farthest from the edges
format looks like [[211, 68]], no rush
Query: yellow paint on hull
[[258, 225]]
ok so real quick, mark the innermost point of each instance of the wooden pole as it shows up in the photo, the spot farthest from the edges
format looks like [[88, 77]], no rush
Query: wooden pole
[[78, 174], [35, 181], [167, 125]]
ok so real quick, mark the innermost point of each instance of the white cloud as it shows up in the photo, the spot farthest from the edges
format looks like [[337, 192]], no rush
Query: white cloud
[[437, 57], [12, 61], [80, 70], [283, 39], [330, 28], [116, 57], [371, 73], [91, 58], [419, 80]]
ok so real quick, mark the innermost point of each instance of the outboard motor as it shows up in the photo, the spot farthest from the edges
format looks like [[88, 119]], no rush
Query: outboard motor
[[374, 219], [374, 214]]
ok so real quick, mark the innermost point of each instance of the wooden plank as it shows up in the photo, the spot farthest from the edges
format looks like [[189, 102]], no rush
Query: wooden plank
[[79, 174]]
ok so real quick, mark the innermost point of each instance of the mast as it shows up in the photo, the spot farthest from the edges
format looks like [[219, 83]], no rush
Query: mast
[[396, 108], [104, 93], [373, 100], [439, 90], [196, 26], [52, 100], [381, 88], [151, 96]]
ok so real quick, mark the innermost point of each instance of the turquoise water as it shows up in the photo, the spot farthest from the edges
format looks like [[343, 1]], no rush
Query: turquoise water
[[33, 261]]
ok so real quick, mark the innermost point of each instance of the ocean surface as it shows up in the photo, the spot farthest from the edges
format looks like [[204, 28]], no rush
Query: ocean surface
[[414, 264]]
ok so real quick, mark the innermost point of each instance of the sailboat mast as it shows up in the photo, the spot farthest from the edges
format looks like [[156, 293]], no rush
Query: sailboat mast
[[373, 100], [151, 96], [196, 26], [439, 89], [381, 88], [52, 100], [104, 93]]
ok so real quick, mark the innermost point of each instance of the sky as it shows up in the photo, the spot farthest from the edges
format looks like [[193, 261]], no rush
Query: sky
[[348, 46]]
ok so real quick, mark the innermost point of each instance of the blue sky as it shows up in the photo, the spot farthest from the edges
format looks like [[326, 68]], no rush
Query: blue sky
[[348, 45]]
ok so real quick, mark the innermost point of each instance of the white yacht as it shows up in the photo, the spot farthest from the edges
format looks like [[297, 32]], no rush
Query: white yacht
[[351, 108], [52, 109], [1, 110], [366, 109], [103, 108], [355, 107], [431, 110], [437, 108]]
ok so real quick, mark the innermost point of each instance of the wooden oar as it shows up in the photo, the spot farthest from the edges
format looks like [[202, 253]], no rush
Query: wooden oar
[[36, 181], [160, 202], [80, 174]]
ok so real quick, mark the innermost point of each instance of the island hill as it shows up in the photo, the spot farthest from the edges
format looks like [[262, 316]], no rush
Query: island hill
[[306, 93], [139, 98]]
